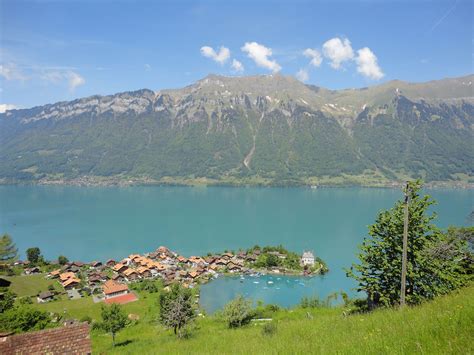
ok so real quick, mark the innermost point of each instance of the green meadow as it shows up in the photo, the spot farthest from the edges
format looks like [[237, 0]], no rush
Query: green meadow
[[442, 326]]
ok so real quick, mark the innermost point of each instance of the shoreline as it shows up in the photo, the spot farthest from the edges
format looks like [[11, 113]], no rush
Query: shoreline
[[204, 182]]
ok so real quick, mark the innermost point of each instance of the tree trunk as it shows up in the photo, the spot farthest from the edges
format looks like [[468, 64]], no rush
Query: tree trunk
[[175, 329], [113, 339]]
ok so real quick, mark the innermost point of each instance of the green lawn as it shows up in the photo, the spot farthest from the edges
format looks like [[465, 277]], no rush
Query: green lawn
[[30, 285], [444, 326]]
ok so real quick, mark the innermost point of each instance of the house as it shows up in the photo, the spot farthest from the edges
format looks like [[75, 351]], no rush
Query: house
[[96, 264], [71, 339], [114, 289], [32, 271], [144, 272], [121, 268], [251, 258], [77, 264], [118, 278], [71, 283], [307, 258], [131, 274], [66, 275], [54, 274], [44, 297], [110, 262]]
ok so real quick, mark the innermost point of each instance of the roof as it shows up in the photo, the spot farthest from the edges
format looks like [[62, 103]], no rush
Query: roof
[[308, 254], [75, 338], [71, 281], [122, 299], [55, 272], [111, 286], [45, 294], [129, 272], [67, 275]]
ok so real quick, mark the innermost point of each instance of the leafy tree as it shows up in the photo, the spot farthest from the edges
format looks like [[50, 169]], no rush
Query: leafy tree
[[176, 308], [113, 319], [271, 260], [23, 319], [238, 312], [379, 271], [62, 260], [7, 301], [8, 250], [34, 255]]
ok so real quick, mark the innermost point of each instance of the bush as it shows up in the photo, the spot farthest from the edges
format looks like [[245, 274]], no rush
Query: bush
[[238, 312], [269, 329], [25, 300], [86, 318], [311, 302]]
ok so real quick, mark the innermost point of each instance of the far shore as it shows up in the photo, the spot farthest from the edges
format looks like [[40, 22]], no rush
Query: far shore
[[337, 182]]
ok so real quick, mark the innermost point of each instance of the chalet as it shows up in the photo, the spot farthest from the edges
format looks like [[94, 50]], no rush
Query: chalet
[[233, 267], [114, 289], [307, 258], [96, 264], [77, 263], [144, 272], [118, 278], [222, 262], [66, 275], [251, 258], [227, 256], [32, 271], [94, 280], [54, 274], [44, 297], [110, 262], [131, 274], [71, 283], [181, 259], [121, 268]]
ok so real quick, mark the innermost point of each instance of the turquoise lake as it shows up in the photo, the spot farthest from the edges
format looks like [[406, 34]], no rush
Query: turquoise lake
[[100, 223]]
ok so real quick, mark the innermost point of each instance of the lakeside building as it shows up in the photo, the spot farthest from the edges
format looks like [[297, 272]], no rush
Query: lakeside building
[[307, 258], [114, 289]]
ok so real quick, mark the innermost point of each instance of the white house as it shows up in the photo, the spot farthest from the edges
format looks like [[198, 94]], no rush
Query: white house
[[307, 258]]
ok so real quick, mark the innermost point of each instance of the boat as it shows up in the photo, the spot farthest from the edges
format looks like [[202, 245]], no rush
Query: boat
[[256, 282], [270, 282]]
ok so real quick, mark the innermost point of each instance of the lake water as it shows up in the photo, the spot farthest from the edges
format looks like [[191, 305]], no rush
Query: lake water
[[100, 223]]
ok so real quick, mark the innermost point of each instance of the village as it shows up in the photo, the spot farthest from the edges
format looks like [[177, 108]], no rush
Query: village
[[112, 281]]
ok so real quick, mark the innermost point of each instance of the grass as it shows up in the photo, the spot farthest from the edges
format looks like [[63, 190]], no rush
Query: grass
[[443, 326], [30, 285]]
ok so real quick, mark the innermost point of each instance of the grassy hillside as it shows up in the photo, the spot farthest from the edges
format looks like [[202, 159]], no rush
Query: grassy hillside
[[444, 326]]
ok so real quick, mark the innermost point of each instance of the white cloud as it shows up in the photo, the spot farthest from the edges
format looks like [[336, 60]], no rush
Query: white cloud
[[11, 72], [260, 55], [367, 64], [220, 57], [6, 107], [75, 80], [316, 58], [237, 66], [338, 51], [147, 67], [72, 78], [302, 75]]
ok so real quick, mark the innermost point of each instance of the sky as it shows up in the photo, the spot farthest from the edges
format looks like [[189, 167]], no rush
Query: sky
[[52, 50]]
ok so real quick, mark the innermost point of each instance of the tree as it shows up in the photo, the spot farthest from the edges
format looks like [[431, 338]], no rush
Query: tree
[[113, 319], [8, 250], [378, 272], [238, 312], [23, 319], [62, 260], [271, 260], [34, 255], [7, 301], [176, 308]]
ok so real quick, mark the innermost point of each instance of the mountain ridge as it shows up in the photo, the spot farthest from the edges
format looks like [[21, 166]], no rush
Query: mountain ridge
[[269, 129]]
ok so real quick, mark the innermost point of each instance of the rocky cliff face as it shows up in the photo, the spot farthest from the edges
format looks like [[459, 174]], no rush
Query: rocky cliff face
[[263, 127]]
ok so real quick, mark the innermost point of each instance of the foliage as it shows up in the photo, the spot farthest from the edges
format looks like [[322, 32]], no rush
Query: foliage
[[86, 318], [62, 260], [176, 308], [8, 250], [428, 273], [113, 319], [7, 301], [238, 312], [269, 329], [25, 300], [151, 286], [23, 319], [34, 255]]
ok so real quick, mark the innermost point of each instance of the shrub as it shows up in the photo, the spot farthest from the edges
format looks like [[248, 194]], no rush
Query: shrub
[[269, 329], [86, 318], [311, 302], [238, 312]]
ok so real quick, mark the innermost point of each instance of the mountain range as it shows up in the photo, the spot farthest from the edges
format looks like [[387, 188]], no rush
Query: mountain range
[[270, 129]]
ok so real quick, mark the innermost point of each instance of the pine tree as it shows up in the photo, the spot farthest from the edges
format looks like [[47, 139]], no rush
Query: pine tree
[[8, 250]]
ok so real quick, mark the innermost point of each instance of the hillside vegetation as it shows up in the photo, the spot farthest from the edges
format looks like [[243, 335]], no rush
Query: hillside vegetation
[[442, 326], [248, 130]]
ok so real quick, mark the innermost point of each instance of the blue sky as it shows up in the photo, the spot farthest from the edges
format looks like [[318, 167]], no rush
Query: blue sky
[[61, 50]]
